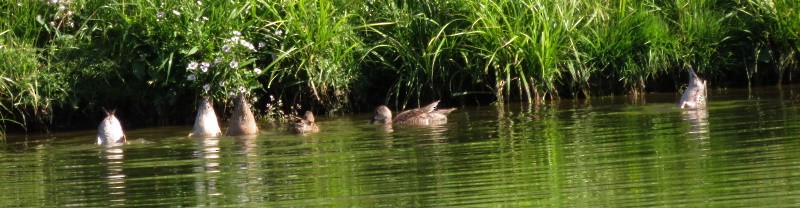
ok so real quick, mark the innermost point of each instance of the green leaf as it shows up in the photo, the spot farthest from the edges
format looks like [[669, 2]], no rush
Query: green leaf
[[190, 51]]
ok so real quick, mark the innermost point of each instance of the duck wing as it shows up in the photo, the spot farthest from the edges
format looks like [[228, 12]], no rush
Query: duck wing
[[417, 116], [440, 114]]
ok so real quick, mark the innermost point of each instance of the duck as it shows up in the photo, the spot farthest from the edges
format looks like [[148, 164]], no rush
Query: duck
[[242, 121], [304, 125], [205, 123], [110, 133], [695, 95], [422, 116]]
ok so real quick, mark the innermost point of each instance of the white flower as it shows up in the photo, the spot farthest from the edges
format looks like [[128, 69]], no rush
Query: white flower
[[279, 32], [39, 17], [62, 8], [233, 64], [257, 70], [192, 66], [200, 3], [254, 99], [176, 12], [242, 89], [217, 60], [204, 66], [236, 33], [234, 39], [221, 83], [226, 48], [271, 98], [19, 3], [205, 18], [232, 94], [191, 77], [206, 87], [262, 45], [247, 44], [54, 1], [160, 15]]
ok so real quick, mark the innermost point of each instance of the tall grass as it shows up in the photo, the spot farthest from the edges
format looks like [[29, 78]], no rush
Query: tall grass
[[63, 60], [521, 44], [29, 88], [417, 48], [702, 28], [316, 50], [772, 28]]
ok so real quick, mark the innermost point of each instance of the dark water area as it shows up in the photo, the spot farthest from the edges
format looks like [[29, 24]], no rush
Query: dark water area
[[607, 151]]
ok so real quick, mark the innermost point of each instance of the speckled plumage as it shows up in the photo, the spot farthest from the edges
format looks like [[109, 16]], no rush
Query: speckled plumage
[[425, 115], [304, 125], [205, 123], [110, 133], [242, 121], [695, 95]]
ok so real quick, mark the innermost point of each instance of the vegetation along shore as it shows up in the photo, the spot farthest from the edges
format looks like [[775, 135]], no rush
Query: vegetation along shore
[[62, 61]]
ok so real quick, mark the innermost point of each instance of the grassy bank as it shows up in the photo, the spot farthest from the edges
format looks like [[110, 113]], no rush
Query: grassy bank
[[64, 60]]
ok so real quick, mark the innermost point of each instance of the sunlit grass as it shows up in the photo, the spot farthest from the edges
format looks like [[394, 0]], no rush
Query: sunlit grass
[[151, 57]]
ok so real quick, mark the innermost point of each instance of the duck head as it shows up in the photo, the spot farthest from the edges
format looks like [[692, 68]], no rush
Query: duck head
[[382, 115], [309, 116]]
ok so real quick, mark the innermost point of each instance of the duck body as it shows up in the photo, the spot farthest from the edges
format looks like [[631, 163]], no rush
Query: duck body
[[304, 125], [205, 123], [695, 95], [110, 133], [422, 116], [242, 121]]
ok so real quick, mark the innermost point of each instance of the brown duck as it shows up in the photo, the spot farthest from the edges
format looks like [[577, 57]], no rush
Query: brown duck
[[304, 125], [205, 123], [423, 116], [242, 122]]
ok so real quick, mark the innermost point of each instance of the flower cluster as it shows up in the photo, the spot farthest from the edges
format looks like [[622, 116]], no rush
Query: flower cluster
[[237, 39], [273, 111], [181, 11], [63, 16], [231, 71]]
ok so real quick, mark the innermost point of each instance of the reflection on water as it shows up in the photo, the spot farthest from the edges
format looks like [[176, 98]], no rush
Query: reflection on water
[[207, 153], [115, 159], [698, 120], [603, 152]]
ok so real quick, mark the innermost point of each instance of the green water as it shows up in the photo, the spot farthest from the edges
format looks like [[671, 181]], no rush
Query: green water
[[613, 152]]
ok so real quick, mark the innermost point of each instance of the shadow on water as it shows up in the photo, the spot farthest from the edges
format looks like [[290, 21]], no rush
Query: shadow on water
[[605, 151]]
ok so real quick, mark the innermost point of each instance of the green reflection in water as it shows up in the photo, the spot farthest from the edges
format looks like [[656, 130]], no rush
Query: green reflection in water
[[604, 152]]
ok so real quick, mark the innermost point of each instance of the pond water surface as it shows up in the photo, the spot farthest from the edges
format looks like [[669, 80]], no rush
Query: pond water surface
[[614, 152]]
